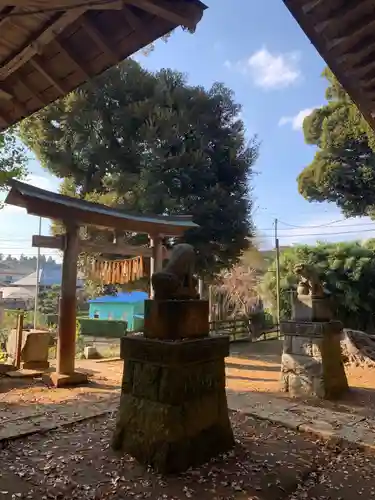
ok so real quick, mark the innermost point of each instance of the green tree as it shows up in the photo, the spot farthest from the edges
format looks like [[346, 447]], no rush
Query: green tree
[[149, 142], [49, 300], [12, 158], [343, 169], [347, 270]]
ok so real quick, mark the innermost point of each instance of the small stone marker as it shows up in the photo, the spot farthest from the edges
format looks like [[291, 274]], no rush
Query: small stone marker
[[34, 350]]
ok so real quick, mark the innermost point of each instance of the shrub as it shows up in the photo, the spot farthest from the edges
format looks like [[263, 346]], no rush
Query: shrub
[[111, 329]]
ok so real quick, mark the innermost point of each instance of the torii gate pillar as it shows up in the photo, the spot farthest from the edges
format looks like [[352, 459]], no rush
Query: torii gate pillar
[[65, 374]]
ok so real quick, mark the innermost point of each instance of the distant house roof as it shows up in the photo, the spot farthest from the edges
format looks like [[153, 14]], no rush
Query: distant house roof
[[17, 292], [122, 297], [48, 276]]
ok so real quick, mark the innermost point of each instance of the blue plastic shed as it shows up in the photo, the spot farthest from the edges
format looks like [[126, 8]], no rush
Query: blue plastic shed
[[123, 306]]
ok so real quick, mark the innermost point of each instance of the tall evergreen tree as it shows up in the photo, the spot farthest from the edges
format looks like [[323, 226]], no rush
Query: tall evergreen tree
[[12, 158], [149, 142], [343, 169]]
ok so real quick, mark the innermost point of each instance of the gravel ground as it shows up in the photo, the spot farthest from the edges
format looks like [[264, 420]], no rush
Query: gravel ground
[[268, 463]]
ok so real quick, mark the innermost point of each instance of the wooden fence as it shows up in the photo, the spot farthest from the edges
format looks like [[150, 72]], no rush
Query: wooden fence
[[237, 329], [240, 330]]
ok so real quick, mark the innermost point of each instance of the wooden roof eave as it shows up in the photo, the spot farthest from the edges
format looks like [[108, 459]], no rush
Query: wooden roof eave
[[43, 203], [334, 40], [45, 54]]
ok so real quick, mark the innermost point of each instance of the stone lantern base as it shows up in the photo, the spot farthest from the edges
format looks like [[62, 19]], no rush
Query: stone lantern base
[[173, 410]]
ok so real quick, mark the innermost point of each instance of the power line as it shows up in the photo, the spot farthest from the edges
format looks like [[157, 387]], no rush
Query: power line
[[319, 225], [337, 233]]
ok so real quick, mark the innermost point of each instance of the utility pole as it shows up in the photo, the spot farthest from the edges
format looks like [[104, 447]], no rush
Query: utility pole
[[277, 248], [37, 278]]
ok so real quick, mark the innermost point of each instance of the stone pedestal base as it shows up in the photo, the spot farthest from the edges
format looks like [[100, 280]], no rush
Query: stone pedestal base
[[176, 319], [61, 380], [173, 409], [35, 365], [311, 362]]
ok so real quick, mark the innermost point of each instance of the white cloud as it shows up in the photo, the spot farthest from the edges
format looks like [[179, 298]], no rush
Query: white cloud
[[295, 121], [270, 71]]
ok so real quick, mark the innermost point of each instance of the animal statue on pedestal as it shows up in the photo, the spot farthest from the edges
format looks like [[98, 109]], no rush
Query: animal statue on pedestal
[[177, 281]]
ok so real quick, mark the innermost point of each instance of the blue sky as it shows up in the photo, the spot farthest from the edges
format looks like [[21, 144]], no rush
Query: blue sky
[[258, 50]]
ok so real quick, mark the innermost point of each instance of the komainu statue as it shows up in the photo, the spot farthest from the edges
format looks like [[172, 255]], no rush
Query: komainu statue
[[177, 281], [309, 283]]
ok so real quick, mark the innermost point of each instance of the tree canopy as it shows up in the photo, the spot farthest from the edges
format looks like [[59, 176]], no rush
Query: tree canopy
[[149, 142], [343, 169], [347, 270], [12, 158]]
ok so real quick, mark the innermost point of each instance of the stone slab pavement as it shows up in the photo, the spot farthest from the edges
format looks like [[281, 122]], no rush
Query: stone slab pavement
[[325, 423]]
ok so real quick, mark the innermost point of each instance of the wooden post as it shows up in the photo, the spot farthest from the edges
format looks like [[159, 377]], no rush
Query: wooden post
[[156, 263], [19, 331], [211, 305], [66, 342], [200, 288]]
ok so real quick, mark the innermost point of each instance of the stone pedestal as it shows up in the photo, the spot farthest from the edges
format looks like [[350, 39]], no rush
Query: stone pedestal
[[311, 362], [173, 410], [60, 380], [34, 349], [176, 319]]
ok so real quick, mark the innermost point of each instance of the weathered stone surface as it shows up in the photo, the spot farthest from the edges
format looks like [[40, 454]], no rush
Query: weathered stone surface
[[34, 350], [90, 352], [310, 329], [310, 308], [173, 410], [288, 344], [301, 364], [176, 319], [311, 361], [302, 345], [135, 347]]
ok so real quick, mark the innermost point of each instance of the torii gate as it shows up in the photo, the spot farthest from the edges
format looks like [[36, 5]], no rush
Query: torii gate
[[73, 212]]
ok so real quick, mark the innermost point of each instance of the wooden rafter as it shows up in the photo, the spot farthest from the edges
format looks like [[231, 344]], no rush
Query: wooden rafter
[[97, 38], [34, 47], [124, 27], [61, 4], [73, 60], [24, 82], [4, 117], [181, 13], [38, 65], [342, 16], [307, 8], [132, 19], [4, 14], [5, 95], [357, 54], [346, 42]]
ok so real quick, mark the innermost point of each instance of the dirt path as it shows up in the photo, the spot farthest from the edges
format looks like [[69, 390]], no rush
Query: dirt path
[[268, 463]]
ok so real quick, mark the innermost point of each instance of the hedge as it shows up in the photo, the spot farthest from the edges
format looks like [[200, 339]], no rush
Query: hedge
[[52, 319], [104, 328]]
